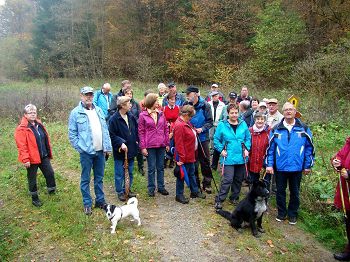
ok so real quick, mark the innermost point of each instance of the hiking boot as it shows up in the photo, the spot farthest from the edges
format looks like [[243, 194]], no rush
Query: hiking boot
[[207, 189], [52, 192], [131, 194], [100, 205], [87, 211], [36, 201], [198, 195], [171, 164], [181, 199], [122, 197], [164, 192], [292, 220], [280, 218], [151, 194], [218, 205]]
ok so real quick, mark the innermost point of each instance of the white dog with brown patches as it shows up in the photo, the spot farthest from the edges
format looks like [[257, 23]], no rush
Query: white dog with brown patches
[[116, 213]]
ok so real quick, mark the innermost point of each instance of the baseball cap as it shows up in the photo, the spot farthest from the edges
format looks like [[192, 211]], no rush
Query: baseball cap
[[171, 84], [215, 85], [273, 100], [191, 89], [214, 93], [262, 104], [86, 89], [232, 95]]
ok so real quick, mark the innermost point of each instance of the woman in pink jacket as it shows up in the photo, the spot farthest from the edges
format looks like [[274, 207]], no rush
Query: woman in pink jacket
[[154, 141]]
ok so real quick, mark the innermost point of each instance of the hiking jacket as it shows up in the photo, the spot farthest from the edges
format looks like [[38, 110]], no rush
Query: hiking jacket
[[219, 111], [290, 151], [260, 142], [121, 133], [153, 135], [100, 100], [202, 119], [28, 148], [344, 156], [247, 116], [79, 131], [185, 140], [225, 137]]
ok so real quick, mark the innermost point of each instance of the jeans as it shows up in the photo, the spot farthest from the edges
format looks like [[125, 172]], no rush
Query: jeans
[[233, 177], [155, 161], [119, 178], [193, 184], [293, 179], [97, 163], [46, 169]]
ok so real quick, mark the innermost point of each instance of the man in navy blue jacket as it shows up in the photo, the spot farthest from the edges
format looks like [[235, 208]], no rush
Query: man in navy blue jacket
[[290, 153]]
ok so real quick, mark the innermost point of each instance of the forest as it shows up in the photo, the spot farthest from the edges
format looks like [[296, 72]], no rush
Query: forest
[[300, 44]]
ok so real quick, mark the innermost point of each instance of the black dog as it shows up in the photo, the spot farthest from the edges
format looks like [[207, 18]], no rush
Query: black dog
[[250, 209]]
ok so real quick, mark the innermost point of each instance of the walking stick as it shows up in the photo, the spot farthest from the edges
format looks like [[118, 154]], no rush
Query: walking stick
[[200, 144], [126, 175], [342, 195], [223, 162], [245, 163]]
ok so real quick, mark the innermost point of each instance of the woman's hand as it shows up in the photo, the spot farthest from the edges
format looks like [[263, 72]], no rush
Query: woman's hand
[[179, 163], [167, 148], [26, 164], [269, 170], [144, 152], [246, 153], [124, 147], [344, 173], [224, 153]]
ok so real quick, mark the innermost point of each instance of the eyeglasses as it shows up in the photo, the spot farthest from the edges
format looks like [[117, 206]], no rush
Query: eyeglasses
[[289, 109]]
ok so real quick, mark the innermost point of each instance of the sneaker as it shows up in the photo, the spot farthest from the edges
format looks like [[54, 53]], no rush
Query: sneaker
[[131, 194], [280, 218], [198, 195], [100, 205], [164, 192], [122, 197], [218, 205], [181, 199], [87, 211], [151, 194], [292, 220], [207, 189]]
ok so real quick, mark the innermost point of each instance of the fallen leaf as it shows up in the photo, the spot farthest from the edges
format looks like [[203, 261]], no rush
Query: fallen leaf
[[270, 243], [269, 253]]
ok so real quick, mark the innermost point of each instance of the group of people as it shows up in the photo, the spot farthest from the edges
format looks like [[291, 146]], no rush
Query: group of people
[[243, 135]]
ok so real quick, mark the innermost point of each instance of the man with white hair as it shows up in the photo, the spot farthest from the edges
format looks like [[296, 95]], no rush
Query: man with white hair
[[290, 154], [215, 88], [103, 98]]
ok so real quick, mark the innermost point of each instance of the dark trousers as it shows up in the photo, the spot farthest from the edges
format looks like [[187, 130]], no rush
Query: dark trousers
[[256, 176], [215, 159], [204, 160], [232, 178], [139, 158], [46, 169], [180, 182], [293, 180]]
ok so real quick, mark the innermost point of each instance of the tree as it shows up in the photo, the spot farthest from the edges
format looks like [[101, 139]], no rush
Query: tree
[[279, 43]]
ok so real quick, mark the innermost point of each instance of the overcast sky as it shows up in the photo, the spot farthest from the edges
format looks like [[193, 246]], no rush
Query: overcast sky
[[2, 2]]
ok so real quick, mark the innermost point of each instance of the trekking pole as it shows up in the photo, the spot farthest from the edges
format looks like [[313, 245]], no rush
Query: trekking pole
[[342, 195], [200, 144], [245, 163], [223, 162]]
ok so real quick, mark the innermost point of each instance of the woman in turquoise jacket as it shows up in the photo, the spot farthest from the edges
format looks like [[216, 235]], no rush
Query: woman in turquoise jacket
[[232, 139]]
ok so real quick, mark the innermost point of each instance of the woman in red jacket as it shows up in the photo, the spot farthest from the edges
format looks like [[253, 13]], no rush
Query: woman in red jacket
[[34, 151], [341, 162], [186, 144], [260, 140]]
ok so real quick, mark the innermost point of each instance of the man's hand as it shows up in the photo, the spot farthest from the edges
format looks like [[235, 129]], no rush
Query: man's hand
[[336, 163], [124, 147], [144, 152], [306, 171], [26, 164], [179, 163], [269, 170], [199, 130]]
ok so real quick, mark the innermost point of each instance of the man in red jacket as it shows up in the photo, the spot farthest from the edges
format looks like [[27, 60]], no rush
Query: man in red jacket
[[34, 151]]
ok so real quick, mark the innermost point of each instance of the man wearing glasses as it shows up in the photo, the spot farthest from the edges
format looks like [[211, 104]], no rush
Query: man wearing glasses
[[290, 153], [88, 134]]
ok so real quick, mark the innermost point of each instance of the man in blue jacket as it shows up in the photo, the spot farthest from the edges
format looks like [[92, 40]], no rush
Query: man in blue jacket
[[88, 134], [202, 122], [290, 153], [103, 98]]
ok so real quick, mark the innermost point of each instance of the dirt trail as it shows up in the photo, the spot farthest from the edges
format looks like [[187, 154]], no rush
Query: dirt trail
[[191, 232]]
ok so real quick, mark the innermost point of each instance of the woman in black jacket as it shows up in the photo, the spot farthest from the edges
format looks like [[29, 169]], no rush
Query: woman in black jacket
[[124, 137]]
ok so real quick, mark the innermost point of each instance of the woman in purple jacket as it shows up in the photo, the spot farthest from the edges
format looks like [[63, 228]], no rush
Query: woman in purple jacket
[[154, 140]]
